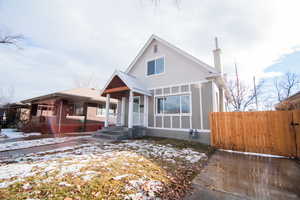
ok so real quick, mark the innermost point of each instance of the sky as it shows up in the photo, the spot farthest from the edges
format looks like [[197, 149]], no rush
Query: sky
[[67, 42]]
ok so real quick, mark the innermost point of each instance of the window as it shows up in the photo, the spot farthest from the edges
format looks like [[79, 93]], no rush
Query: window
[[78, 109], [174, 104], [160, 105], [156, 66], [101, 110], [185, 104]]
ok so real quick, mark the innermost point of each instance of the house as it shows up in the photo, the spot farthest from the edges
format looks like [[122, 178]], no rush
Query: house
[[76, 110], [167, 91], [12, 114], [290, 103]]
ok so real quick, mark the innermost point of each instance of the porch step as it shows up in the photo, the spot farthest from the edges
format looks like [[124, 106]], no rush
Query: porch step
[[120, 133], [110, 136], [113, 133]]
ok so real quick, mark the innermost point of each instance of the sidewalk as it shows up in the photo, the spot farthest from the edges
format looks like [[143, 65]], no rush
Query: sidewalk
[[238, 176]]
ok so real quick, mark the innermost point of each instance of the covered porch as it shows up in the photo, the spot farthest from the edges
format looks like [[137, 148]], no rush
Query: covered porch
[[133, 100]]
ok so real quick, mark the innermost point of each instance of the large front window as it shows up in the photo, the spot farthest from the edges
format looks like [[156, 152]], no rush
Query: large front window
[[175, 104], [155, 66]]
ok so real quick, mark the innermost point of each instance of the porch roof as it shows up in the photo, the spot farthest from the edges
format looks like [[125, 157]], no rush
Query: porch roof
[[131, 82]]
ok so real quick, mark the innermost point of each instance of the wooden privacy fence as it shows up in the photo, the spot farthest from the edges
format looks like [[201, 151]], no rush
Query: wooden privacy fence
[[268, 132]]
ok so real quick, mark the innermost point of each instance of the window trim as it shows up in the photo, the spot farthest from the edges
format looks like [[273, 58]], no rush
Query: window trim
[[173, 114], [110, 114], [97, 108], [151, 59]]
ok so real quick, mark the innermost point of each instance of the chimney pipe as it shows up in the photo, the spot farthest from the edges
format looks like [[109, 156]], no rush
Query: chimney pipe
[[217, 57]]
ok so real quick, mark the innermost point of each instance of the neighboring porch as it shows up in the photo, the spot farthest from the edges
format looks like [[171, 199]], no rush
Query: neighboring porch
[[133, 100], [68, 112]]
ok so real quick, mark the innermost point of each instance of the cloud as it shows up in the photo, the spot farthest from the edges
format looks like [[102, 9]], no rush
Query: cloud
[[67, 39]]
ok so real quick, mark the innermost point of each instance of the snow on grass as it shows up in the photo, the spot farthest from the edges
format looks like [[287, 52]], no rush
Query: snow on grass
[[166, 152], [13, 133], [33, 143], [126, 170]]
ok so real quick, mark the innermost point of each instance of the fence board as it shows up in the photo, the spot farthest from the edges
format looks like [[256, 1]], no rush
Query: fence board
[[268, 132], [296, 120]]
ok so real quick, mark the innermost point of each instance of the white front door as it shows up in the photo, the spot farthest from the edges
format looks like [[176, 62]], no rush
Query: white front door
[[137, 111]]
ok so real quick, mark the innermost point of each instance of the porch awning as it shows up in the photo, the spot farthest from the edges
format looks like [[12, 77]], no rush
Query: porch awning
[[121, 82]]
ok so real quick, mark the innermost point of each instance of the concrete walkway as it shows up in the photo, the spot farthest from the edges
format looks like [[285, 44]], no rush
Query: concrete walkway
[[238, 176]]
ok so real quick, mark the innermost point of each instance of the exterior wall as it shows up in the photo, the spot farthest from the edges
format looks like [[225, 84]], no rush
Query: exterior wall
[[151, 111], [178, 69], [197, 122], [181, 76], [207, 104], [201, 103], [202, 137], [50, 124], [173, 120]]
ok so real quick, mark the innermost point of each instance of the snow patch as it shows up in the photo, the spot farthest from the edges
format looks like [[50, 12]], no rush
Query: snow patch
[[64, 184], [33, 143], [252, 153], [13, 133], [121, 176]]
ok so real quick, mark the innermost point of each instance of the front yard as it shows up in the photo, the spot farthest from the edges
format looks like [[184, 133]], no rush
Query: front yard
[[134, 169]]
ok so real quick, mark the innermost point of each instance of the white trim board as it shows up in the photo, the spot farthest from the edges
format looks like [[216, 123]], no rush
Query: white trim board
[[181, 84]]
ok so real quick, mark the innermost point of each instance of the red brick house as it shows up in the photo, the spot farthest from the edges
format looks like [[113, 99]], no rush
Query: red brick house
[[76, 110]]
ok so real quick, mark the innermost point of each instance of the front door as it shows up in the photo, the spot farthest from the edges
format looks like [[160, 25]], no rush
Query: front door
[[136, 111]]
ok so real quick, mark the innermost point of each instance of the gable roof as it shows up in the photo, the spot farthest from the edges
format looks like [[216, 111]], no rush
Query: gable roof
[[130, 81], [153, 37]]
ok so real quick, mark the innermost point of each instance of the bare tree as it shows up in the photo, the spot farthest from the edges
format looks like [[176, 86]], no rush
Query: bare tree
[[6, 94], [241, 96], [286, 85], [11, 39]]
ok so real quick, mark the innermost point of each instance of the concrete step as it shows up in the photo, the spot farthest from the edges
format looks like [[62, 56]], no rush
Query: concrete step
[[120, 132], [110, 136], [114, 128]]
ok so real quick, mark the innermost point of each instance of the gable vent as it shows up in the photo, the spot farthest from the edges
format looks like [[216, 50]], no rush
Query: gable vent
[[155, 48]]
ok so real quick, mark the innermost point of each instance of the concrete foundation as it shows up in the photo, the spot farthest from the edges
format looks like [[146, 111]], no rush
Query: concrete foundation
[[201, 137]]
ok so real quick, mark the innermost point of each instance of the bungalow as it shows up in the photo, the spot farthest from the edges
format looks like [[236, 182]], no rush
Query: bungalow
[[76, 110], [13, 114], [167, 91]]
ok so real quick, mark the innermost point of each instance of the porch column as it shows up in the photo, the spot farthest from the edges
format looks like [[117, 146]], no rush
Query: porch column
[[107, 110], [123, 111], [60, 115], [85, 107], [130, 110], [145, 110]]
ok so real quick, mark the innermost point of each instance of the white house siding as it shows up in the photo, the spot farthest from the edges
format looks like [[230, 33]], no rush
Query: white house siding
[[200, 105], [197, 106], [207, 104], [178, 68]]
